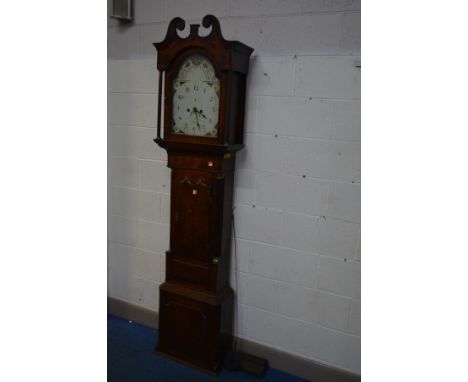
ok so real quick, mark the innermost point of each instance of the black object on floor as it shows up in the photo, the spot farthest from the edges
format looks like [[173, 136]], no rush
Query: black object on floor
[[236, 360]]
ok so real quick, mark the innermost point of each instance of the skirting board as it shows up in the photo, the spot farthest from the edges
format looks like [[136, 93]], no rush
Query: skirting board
[[289, 363]]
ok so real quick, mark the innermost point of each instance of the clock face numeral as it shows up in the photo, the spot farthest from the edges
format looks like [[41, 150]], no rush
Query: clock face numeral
[[195, 101]]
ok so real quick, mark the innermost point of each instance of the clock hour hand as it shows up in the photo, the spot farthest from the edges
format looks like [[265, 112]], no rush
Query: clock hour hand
[[201, 113]]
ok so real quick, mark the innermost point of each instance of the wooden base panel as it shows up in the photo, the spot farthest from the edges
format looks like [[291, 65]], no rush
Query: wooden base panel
[[195, 330]]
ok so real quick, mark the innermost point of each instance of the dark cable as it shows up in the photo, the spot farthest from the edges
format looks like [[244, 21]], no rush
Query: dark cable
[[236, 310]]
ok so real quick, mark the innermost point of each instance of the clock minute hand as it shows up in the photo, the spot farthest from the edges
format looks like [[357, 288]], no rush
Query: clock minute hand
[[196, 116]]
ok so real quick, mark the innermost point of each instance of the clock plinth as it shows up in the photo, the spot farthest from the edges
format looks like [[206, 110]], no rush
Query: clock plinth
[[204, 101], [195, 327]]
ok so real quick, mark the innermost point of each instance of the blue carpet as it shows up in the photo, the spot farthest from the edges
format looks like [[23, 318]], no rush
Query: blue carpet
[[130, 358]]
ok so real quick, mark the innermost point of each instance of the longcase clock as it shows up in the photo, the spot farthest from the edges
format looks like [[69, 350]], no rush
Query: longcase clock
[[202, 88]]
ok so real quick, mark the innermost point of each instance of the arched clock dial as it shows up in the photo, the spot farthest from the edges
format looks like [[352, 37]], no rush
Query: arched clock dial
[[195, 98]]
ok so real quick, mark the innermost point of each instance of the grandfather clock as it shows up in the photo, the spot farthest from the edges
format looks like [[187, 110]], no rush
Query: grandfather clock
[[204, 100]]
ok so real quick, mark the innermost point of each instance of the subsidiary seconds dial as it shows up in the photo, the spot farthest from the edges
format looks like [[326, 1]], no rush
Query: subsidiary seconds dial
[[195, 103]]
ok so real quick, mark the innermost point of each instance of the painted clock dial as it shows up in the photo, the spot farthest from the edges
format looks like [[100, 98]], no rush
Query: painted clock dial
[[195, 102]]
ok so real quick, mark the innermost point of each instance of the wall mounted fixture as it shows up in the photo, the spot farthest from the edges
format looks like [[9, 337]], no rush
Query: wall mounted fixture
[[121, 10]]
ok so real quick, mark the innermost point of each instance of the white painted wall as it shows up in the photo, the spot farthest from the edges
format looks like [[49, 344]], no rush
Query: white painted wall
[[297, 191]]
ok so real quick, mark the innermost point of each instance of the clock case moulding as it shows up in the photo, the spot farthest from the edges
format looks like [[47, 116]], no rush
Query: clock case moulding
[[196, 300]]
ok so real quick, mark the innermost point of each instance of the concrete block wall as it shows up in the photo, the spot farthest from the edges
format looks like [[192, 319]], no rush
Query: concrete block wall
[[297, 187]]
